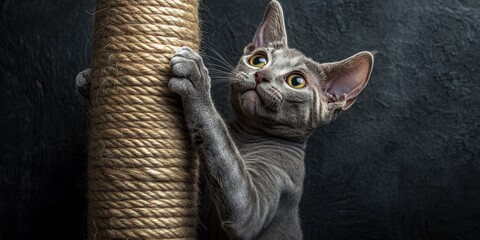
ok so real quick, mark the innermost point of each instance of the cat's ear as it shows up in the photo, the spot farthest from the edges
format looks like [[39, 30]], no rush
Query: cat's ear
[[346, 79], [272, 28]]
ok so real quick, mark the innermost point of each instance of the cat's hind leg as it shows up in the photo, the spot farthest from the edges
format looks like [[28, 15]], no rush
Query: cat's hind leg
[[83, 82]]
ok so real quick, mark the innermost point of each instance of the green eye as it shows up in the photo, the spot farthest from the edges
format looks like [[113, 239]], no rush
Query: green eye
[[258, 60], [296, 81]]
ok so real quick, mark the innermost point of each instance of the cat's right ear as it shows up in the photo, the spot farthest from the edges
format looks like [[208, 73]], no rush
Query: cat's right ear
[[271, 30]]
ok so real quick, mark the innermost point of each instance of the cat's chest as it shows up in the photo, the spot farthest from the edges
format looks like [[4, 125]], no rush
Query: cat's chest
[[270, 154], [258, 146], [263, 149]]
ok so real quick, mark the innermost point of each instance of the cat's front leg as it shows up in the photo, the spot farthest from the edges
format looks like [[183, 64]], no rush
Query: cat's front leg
[[192, 82], [244, 207]]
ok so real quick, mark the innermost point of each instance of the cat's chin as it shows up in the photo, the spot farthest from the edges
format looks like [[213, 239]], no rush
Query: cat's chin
[[252, 95], [250, 100]]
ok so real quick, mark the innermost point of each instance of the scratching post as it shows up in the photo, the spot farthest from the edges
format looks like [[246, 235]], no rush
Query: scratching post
[[142, 176]]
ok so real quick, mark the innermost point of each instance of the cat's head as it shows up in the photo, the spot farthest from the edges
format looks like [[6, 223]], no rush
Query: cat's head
[[277, 90]]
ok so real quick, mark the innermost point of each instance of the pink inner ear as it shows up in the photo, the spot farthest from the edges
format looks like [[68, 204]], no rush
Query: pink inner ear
[[258, 39], [348, 78], [272, 27]]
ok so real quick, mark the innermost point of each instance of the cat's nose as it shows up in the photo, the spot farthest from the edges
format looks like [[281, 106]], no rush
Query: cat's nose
[[261, 77]]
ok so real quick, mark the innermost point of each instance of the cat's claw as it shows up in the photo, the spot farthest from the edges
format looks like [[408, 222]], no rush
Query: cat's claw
[[190, 74], [83, 82]]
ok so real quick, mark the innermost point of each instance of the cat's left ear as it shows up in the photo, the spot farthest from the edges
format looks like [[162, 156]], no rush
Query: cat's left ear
[[272, 28], [346, 79]]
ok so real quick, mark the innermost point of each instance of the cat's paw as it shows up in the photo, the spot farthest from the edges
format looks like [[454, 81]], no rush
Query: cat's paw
[[190, 74], [83, 82]]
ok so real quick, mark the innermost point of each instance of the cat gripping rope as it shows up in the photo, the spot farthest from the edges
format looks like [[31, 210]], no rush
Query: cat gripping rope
[[142, 175]]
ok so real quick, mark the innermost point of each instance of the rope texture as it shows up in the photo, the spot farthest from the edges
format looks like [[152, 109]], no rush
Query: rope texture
[[142, 174]]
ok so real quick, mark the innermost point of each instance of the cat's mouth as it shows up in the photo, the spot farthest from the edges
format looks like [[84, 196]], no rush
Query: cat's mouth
[[252, 94], [261, 99]]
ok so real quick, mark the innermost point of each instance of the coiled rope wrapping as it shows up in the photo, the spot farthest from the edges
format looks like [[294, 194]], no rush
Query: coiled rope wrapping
[[142, 175]]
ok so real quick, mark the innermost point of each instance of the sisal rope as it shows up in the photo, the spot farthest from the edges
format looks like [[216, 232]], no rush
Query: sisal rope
[[142, 175]]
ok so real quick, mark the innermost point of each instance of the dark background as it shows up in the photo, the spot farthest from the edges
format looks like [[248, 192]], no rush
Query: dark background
[[403, 163]]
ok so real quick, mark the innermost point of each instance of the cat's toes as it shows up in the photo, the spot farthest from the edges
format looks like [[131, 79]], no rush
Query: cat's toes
[[190, 74], [83, 82], [184, 67], [186, 63], [181, 86], [189, 53]]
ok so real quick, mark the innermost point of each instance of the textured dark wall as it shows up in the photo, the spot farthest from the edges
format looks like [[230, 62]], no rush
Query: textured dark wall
[[403, 163]]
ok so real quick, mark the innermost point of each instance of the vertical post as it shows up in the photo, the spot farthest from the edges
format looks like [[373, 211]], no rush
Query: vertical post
[[142, 175]]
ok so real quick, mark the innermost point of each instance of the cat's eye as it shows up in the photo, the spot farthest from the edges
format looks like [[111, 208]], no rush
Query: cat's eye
[[258, 60], [296, 80]]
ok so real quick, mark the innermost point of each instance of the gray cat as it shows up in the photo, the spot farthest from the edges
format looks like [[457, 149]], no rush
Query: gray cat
[[254, 165]]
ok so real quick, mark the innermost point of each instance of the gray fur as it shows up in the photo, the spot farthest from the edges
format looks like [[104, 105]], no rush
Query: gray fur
[[254, 165], [83, 82]]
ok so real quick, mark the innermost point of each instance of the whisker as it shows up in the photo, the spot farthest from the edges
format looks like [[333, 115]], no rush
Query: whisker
[[221, 80], [221, 71], [211, 64], [222, 58], [222, 84]]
